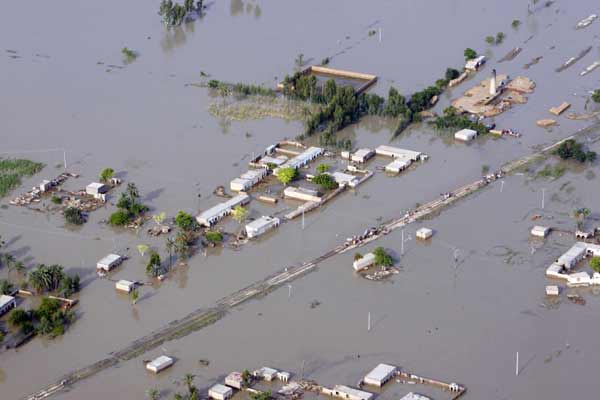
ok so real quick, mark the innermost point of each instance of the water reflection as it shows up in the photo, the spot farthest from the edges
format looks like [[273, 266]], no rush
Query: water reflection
[[238, 7]]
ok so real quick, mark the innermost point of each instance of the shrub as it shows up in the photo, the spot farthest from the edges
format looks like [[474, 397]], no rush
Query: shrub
[[106, 174], [595, 263], [185, 221], [326, 181], [470, 53], [56, 200], [73, 215], [382, 258], [596, 96], [213, 236], [119, 218]]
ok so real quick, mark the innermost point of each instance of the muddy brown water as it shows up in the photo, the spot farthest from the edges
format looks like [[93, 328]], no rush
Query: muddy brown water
[[463, 324]]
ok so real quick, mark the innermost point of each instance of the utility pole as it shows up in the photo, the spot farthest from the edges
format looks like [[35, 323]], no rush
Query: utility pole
[[543, 197], [379, 35], [302, 371], [369, 321], [402, 245], [517, 365], [289, 291], [302, 219], [501, 186], [65, 158]]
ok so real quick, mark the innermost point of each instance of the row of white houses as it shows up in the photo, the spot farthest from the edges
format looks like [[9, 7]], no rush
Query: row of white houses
[[561, 268]]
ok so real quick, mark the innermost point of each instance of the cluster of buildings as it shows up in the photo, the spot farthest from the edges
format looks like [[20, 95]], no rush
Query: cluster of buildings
[[563, 266], [248, 180], [235, 381], [402, 158]]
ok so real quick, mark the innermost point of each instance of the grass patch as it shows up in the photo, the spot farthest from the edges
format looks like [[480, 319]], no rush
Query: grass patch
[[13, 170], [553, 172]]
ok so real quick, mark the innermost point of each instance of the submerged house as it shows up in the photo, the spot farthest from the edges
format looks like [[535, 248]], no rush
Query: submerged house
[[261, 226], [214, 214]]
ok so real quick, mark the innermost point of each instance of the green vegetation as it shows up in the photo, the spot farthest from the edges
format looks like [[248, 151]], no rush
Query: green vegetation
[[596, 96], [286, 175], [73, 215], [184, 240], [129, 55], [499, 38], [134, 295], [322, 168], [515, 24], [106, 174], [48, 319], [325, 181], [469, 54], [154, 267], [382, 258], [240, 89], [580, 214], [451, 73], [239, 214], [570, 149], [6, 287], [357, 256], [485, 169], [56, 200], [129, 207], [12, 170], [246, 378], [550, 171], [453, 120], [213, 236], [490, 39], [261, 395], [185, 221], [173, 14], [52, 278], [595, 264]]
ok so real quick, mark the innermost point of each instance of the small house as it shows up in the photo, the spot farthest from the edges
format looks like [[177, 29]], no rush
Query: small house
[[45, 185], [298, 193], [284, 376], [125, 286], [234, 380], [362, 155], [540, 231], [266, 373], [364, 262], [343, 179], [380, 375], [348, 393], [552, 290], [465, 135], [475, 63], [415, 396], [424, 233], [220, 392], [109, 262], [398, 165], [261, 226], [7, 303], [96, 189], [579, 279], [159, 364]]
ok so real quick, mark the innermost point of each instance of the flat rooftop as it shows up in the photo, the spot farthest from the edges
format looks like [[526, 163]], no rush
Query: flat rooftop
[[381, 372]]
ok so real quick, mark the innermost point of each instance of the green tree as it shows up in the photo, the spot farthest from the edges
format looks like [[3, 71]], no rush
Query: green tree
[[451, 73], [73, 215], [153, 267], [213, 236], [153, 394], [382, 258], [119, 218], [357, 256], [515, 24], [322, 168], [325, 181], [490, 39], [596, 96], [580, 214], [18, 317], [188, 380], [239, 214], [170, 247], [595, 264], [260, 395], [159, 218], [129, 55], [286, 175], [183, 244], [134, 295], [500, 37], [470, 53], [106, 174], [5, 287], [246, 378], [185, 221]]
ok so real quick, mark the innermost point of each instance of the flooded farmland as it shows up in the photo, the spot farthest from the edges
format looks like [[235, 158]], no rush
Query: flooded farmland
[[65, 86]]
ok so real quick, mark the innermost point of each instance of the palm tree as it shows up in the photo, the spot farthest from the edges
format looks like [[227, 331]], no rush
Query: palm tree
[[132, 191], [580, 214], [135, 295], [178, 396], [188, 380], [7, 260], [170, 246], [153, 394], [19, 267]]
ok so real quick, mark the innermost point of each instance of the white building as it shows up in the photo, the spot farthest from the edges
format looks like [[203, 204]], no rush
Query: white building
[[303, 194], [45, 185], [475, 63], [284, 376], [552, 290], [247, 180], [344, 179], [159, 364], [556, 271], [362, 155], [398, 165], [579, 279], [395, 152], [414, 396], [96, 189], [278, 161], [303, 158], [220, 392], [109, 262], [266, 373], [125, 286], [424, 233], [540, 231], [234, 380], [364, 262], [576, 253], [348, 393], [7, 303], [465, 135], [214, 214], [380, 375], [261, 225]]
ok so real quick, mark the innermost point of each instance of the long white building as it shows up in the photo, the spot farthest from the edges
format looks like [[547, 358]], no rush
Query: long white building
[[247, 180], [261, 226], [304, 158], [561, 268], [214, 214]]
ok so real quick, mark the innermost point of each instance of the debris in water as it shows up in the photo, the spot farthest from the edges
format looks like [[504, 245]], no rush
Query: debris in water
[[531, 63], [315, 304], [586, 21], [573, 60], [511, 54]]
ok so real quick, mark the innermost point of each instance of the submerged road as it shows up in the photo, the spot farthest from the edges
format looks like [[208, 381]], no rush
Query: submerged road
[[207, 316]]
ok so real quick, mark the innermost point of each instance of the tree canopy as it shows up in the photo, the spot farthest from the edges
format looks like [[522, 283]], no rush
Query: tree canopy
[[382, 258], [106, 174], [286, 174]]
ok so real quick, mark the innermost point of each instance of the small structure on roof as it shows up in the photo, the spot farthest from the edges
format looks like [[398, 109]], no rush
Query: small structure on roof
[[362, 155], [415, 396], [266, 373], [125, 286], [284, 376], [159, 364], [552, 290], [261, 225], [465, 135], [235, 380], [220, 392], [299, 193], [7, 303], [109, 262], [96, 189], [579, 234], [343, 179], [380, 375], [364, 262], [540, 231], [475, 63], [424, 233]]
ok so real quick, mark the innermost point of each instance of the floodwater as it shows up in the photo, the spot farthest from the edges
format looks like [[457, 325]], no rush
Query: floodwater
[[459, 323]]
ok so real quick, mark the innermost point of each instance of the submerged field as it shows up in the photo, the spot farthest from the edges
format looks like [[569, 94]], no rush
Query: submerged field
[[12, 171]]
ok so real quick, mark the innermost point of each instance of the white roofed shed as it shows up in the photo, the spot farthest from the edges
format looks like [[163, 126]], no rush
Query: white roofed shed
[[380, 375]]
